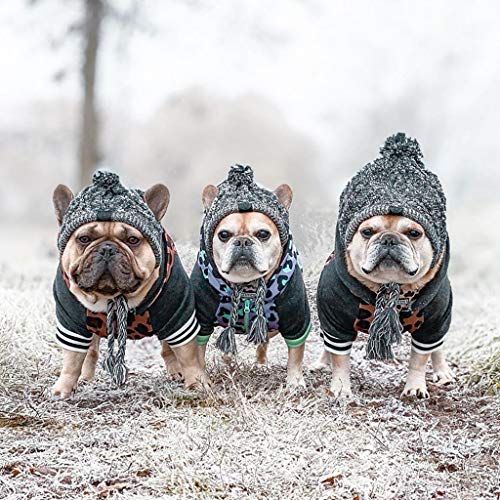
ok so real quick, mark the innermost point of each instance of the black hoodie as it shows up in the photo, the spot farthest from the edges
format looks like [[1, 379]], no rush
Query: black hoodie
[[167, 311], [345, 307]]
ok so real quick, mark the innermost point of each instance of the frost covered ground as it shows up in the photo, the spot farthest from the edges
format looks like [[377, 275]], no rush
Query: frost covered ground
[[249, 438]]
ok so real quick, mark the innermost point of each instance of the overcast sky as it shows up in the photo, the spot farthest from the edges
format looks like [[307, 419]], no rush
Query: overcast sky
[[322, 63]]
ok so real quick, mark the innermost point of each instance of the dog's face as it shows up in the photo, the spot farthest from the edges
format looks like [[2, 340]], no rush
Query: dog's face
[[389, 248], [246, 246], [106, 259]]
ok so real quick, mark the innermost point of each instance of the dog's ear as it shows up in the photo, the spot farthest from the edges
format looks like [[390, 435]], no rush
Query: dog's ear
[[61, 198], [285, 195], [209, 194], [157, 198]]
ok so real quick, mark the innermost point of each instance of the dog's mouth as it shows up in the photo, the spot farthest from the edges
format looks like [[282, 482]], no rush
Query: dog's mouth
[[106, 284], [106, 275], [243, 261], [398, 257]]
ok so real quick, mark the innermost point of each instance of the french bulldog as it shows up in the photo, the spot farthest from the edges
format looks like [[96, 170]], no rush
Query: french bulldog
[[374, 251], [104, 259], [246, 246]]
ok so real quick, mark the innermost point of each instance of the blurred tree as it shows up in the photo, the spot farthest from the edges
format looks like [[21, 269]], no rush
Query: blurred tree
[[89, 29], [89, 154]]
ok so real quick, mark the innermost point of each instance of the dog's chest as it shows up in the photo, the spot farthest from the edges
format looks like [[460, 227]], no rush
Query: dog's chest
[[411, 320], [138, 325]]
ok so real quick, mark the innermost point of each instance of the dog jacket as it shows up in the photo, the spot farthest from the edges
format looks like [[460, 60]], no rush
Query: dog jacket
[[285, 305], [166, 312], [346, 307]]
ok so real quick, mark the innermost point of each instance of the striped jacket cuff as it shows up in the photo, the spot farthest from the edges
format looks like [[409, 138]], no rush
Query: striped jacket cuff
[[184, 334], [73, 341], [426, 348], [335, 345]]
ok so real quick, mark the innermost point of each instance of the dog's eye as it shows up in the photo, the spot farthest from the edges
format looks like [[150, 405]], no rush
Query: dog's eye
[[224, 236], [133, 240], [414, 234], [263, 234], [366, 233], [84, 239]]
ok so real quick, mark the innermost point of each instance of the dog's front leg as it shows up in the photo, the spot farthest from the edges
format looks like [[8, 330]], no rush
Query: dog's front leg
[[340, 385], [443, 374], [202, 350], [294, 375], [415, 383], [71, 369], [194, 373], [171, 363], [91, 358]]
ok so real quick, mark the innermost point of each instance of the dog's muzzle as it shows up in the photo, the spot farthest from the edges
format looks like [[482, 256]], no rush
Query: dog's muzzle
[[242, 252], [107, 270], [391, 252]]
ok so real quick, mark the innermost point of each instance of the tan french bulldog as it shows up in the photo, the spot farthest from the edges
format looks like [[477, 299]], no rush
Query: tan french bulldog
[[388, 274], [104, 259], [392, 248], [247, 241]]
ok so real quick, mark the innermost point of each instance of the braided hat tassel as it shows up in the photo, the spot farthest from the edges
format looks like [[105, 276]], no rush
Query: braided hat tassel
[[227, 339], [258, 330], [114, 363], [386, 327]]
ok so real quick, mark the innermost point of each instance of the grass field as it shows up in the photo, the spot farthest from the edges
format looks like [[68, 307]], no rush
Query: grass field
[[249, 438]]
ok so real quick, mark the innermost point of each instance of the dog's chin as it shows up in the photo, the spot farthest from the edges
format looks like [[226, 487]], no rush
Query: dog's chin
[[106, 286], [243, 272], [390, 270]]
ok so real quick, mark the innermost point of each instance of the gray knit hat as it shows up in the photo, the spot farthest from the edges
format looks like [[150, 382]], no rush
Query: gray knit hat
[[396, 183], [239, 193], [106, 199]]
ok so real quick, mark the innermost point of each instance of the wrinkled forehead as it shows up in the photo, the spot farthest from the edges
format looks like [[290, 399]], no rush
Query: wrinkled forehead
[[397, 223], [246, 223], [102, 229]]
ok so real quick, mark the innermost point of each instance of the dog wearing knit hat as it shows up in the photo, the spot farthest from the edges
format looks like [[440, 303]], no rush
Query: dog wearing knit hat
[[120, 277], [388, 272], [248, 276]]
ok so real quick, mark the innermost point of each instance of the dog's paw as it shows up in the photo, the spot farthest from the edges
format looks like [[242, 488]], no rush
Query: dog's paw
[[63, 389], [86, 376], [320, 364], [197, 380], [341, 389], [295, 381], [443, 374], [261, 361], [174, 372], [415, 389]]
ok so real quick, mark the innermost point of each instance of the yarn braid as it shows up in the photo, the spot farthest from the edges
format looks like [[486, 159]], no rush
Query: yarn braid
[[386, 327], [227, 339], [258, 331], [116, 319]]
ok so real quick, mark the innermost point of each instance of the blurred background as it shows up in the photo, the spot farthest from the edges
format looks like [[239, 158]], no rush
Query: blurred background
[[305, 91]]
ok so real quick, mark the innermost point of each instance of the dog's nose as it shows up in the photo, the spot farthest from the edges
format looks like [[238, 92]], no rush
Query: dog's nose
[[107, 250], [242, 241], [388, 240]]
